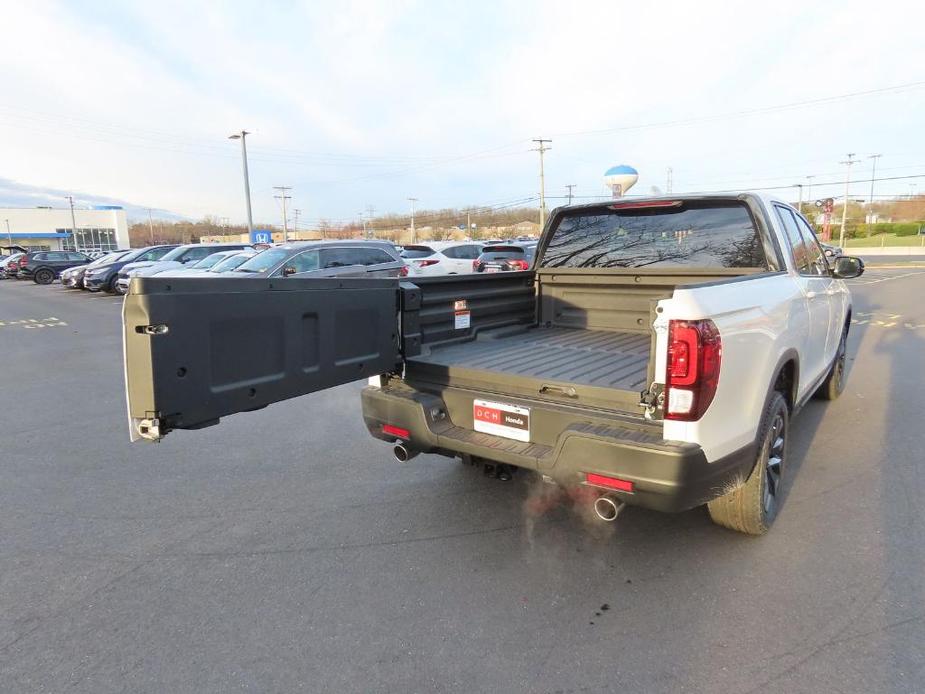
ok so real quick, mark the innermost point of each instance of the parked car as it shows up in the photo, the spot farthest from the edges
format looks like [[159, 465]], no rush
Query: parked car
[[73, 277], [9, 266], [104, 277], [324, 259], [441, 257], [505, 258], [201, 268], [654, 356], [176, 258], [233, 261], [43, 267]]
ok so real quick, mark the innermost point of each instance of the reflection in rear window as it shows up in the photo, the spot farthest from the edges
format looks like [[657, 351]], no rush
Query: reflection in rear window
[[710, 234]]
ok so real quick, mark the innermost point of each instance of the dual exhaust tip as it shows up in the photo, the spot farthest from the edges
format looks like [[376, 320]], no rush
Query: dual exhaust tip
[[403, 453], [606, 507]]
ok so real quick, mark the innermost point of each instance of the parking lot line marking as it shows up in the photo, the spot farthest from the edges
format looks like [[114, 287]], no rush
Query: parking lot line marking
[[49, 322]]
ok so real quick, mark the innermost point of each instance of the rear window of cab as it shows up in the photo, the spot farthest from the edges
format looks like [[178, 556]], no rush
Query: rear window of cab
[[680, 234]]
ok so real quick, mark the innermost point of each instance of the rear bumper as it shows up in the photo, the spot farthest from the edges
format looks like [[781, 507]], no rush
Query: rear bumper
[[667, 476]]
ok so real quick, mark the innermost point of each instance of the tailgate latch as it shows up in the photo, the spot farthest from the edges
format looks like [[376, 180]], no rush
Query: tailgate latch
[[149, 429]]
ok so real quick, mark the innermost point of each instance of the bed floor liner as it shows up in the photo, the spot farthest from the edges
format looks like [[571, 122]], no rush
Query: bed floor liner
[[603, 359]]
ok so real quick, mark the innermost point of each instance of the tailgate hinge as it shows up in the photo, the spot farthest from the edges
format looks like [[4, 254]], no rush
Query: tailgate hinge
[[652, 400]]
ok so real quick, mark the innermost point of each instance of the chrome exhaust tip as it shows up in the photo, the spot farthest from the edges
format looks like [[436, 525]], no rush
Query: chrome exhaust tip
[[403, 453], [608, 507]]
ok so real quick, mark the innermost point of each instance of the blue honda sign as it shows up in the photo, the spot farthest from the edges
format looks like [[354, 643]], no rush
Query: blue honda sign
[[261, 236]]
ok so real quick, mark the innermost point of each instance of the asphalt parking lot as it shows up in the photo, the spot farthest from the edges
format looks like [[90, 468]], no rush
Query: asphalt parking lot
[[284, 550]]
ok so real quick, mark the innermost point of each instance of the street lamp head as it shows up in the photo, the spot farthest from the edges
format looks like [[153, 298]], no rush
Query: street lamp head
[[238, 136]]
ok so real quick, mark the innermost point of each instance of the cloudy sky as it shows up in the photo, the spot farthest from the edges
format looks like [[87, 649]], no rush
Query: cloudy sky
[[358, 104]]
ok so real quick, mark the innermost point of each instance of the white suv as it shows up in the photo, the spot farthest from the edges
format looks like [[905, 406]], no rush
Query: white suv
[[441, 257]]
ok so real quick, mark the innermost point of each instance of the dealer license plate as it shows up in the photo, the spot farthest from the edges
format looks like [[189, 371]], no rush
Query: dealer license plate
[[500, 419]]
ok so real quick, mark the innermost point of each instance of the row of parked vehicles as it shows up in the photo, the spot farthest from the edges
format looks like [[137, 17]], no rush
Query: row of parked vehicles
[[113, 272]]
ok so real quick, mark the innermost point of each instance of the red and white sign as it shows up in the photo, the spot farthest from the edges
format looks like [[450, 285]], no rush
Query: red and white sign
[[500, 419]]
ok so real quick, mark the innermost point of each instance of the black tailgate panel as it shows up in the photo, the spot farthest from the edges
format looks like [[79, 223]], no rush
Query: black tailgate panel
[[198, 349]]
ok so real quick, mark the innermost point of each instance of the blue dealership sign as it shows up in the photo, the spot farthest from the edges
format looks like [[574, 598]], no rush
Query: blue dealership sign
[[261, 236]]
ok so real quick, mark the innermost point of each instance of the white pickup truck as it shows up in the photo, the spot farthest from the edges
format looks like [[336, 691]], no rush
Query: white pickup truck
[[654, 354]]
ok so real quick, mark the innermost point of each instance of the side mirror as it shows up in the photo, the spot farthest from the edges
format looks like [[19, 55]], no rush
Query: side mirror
[[847, 267], [288, 271]]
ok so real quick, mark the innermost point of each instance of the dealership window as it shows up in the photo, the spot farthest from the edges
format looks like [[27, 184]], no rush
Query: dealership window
[[90, 240]]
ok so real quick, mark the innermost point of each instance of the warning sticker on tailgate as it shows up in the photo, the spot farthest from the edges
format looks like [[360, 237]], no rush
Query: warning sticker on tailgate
[[500, 419]]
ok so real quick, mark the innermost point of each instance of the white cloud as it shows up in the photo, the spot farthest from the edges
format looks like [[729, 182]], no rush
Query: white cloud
[[136, 101]]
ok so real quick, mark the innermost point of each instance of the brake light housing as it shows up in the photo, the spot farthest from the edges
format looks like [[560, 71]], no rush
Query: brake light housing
[[425, 263], [518, 264], [695, 352]]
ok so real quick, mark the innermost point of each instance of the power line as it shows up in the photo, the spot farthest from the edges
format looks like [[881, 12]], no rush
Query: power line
[[747, 112]]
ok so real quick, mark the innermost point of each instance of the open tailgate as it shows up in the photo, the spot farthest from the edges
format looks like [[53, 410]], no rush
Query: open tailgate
[[198, 349]]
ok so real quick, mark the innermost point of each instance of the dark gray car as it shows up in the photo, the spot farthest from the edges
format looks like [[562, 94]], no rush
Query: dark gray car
[[324, 259]]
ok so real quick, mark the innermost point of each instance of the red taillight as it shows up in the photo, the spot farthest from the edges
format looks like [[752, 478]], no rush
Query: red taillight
[[609, 482], [403, 271], [475, 265], [425, 263], [519, 264], [695, 351], [396, 431], [23, 261]]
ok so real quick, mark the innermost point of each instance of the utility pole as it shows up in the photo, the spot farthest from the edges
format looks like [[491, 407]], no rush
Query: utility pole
[[844, 214], [810, 186], [873, 175], [9, 234], [669, 182], [468, 223], [542, 149], [800, 203], [370, 211], [150, 226], [363, 219], [295, 221], [247, 186], [70, 199], [414, 238], [284, 197], [570, 187]]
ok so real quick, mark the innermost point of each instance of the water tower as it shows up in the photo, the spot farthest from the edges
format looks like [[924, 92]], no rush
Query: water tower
[[620, 179]]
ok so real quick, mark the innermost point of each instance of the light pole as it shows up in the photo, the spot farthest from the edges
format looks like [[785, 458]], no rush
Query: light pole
[[844, 213], [70, 199], [9, 234], [873, 175], [247, 186], [809, 192], [800, 203], [414, 238]]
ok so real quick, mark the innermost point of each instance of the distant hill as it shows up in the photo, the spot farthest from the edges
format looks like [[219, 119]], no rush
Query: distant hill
[[15, 194]]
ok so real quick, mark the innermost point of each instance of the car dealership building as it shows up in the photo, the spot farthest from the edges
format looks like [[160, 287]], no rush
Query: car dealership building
[[98, 229]]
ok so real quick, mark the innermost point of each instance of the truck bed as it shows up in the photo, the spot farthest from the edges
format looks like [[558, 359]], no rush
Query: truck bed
[[597, 358]]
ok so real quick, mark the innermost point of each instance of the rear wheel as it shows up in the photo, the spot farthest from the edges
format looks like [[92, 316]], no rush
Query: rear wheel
[[834, 383], [111, 287], [752, 506], [44, 276]]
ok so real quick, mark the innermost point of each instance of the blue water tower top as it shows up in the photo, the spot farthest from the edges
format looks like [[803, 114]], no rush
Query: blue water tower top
[[621, 169]]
